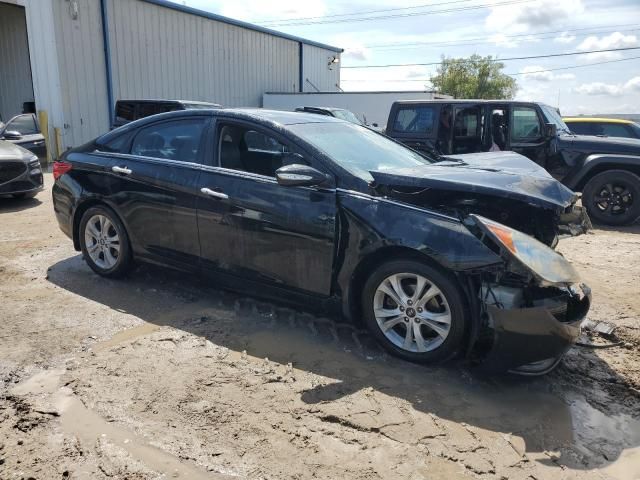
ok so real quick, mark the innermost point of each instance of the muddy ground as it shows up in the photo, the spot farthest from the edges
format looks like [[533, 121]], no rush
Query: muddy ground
[[162, 376]]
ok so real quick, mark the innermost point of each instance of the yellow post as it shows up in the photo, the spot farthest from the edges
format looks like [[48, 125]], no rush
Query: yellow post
[[58, 142], [43, 119]]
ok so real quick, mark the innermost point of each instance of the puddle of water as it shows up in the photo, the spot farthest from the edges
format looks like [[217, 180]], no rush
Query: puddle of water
[[608, 435], [126, 335]]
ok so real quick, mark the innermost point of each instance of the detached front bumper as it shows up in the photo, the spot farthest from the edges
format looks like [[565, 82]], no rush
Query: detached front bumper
[[532, 340]]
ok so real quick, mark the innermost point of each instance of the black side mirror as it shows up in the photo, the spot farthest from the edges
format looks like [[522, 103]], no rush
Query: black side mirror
[[550, 130], [297, 175], [12, 135]]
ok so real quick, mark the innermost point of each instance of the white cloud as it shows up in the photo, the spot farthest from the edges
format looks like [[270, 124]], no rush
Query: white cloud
[[541, 13], [614, 40], [633, 85], [356, 52], [565, 38], [599, 88], [538, 73]]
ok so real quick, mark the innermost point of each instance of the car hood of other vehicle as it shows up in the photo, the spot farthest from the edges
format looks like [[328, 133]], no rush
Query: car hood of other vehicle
[[501, 174], [13, 152], [593, 144]]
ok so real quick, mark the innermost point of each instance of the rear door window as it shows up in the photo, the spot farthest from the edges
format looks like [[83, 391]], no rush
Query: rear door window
[[173, 140], [416, 119]]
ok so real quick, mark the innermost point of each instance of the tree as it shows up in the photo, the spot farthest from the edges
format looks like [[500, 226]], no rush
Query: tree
[[474, 77]]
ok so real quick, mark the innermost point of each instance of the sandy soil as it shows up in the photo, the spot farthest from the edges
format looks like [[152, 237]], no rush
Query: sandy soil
[[162, 376]]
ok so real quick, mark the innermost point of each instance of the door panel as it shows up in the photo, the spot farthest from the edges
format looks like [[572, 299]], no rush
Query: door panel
[[155, 189], [263, 231], [157, 200]]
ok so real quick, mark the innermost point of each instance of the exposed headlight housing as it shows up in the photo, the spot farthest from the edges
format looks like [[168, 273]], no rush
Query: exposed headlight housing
[[548, 266]]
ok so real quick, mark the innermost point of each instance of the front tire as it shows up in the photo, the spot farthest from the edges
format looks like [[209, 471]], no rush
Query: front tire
[[104, 242], [613, 197], [415, 311]]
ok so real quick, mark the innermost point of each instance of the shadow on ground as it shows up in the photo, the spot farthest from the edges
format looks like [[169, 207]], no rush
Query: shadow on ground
[[8, 204], [546, 413]]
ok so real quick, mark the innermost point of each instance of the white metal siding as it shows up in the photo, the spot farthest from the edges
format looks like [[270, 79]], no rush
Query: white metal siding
[[316, 70], [15, 72], [82, 71], [157, 52]]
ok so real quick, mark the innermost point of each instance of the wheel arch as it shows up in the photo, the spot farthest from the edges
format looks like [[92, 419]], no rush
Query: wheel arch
[[598, 164], [79, 212], [374, 259]]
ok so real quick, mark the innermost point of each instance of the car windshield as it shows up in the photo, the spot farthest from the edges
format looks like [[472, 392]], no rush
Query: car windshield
[[552, 116], [358, 149], [347, 115]]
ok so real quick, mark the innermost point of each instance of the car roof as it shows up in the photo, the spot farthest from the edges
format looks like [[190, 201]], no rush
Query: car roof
[[598, 119], [165, 100], [470, 100], [271, 118]]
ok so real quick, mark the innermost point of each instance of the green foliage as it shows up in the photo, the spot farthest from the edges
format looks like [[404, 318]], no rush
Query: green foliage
[[474, 77]]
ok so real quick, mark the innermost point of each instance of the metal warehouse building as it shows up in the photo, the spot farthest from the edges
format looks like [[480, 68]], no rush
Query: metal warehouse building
[[75, 58]]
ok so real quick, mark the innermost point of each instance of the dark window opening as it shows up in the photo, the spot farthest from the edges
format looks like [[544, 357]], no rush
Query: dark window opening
[[415, 120], [177, 140], [252, 151]]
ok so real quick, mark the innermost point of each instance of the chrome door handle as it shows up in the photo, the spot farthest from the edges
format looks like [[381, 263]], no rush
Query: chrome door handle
[[213, 193], [123, 170]]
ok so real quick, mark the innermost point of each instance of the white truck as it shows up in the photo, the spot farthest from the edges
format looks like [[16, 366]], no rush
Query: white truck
[[372, 108]]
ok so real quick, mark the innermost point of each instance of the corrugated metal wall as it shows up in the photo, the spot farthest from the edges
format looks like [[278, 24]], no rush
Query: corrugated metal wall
[[156, 52], [162, 53], [82, 71], [16, 86], [316, 69]]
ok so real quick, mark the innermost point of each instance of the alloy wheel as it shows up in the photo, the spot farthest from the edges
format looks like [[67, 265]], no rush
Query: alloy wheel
[[102, 241], [613, 199], [412, 312]]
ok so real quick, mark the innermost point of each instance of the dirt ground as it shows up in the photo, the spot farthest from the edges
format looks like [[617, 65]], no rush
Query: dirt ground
[[162, 376]]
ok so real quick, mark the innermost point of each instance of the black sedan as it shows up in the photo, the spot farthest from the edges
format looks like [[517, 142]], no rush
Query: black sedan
[[20, 172], [317, 209]]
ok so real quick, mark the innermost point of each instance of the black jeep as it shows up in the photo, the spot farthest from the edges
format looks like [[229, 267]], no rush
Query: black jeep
[[605, 169]]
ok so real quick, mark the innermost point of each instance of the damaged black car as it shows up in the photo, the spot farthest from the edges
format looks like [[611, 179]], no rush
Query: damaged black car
[[436, 258]]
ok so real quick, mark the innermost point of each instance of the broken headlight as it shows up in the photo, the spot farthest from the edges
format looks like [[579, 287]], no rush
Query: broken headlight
[[545, 264]]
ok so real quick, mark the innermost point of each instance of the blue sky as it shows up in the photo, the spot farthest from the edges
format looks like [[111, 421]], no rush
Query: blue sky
[[503, 28]]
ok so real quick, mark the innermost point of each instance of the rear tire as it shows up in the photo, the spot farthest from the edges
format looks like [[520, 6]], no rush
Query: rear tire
[[415, 311], [104, 242], [613, 197]]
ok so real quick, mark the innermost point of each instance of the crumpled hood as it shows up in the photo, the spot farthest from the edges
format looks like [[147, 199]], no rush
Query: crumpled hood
[[502, 174]]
